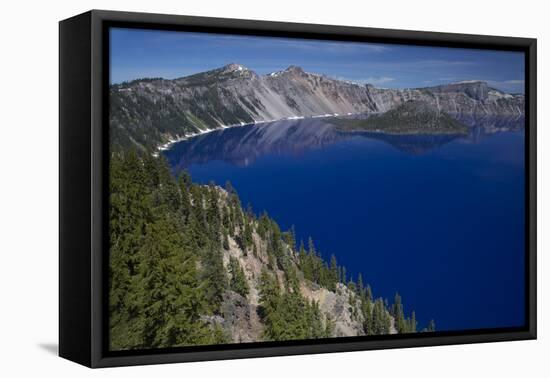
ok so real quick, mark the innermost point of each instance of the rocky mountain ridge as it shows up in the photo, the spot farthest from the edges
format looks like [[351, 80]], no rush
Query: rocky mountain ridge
[[148, 113]]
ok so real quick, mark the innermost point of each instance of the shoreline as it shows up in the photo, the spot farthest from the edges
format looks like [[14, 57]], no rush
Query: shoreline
[[166, 146]]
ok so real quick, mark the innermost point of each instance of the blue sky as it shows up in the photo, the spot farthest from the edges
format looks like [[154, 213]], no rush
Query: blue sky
[[139, 53]]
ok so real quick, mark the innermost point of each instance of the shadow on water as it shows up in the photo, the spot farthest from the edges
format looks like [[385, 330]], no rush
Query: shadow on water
[[479, 128], [413, 144], [241, 146]]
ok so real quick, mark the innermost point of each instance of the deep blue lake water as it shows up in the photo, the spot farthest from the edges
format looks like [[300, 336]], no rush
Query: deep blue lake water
[[439, 219]]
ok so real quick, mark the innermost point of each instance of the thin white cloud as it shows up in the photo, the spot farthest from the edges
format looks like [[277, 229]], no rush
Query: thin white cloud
[[514, 82], [448, 78], [425, 64], [442, 62], [326, 46], [319, 45], [510, 86], [378, 80], [506, 82], [271, 42]]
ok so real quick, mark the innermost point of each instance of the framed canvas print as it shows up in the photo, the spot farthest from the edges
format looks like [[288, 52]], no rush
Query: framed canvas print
[[233, 188]]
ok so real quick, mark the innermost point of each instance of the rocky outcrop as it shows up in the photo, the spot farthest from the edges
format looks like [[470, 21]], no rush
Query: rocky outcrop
[[240, 318]]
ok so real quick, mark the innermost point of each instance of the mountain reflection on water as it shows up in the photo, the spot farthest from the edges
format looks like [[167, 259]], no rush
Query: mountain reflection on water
[[241, 146]]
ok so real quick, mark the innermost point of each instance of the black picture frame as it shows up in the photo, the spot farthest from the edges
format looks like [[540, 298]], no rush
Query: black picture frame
[[83, 175]]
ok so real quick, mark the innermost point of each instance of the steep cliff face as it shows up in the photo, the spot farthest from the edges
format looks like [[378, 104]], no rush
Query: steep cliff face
[[306, 94], [240, 317], [464, 98], [150, 112]]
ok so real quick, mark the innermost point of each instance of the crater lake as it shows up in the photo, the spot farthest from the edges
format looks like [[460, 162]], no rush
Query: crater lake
[[438, 218]]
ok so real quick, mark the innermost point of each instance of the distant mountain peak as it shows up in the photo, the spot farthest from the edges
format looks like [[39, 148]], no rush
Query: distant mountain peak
[[290, 70], [294, 69], [274, 73], [231, 67]]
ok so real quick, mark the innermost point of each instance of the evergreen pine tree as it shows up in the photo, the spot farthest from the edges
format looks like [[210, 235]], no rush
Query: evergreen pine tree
[[360, 287], [413, 323], [344, 276], [334, 274], [213, 277], [238, 281], [368, 293], [398, 315], [378, 315]]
